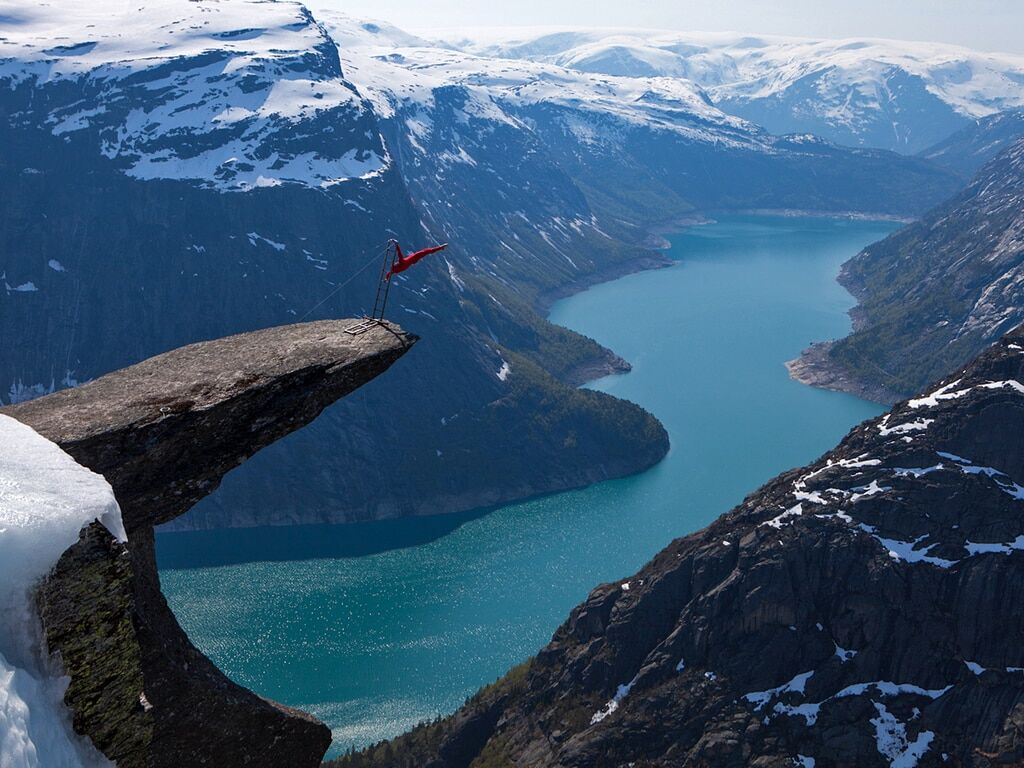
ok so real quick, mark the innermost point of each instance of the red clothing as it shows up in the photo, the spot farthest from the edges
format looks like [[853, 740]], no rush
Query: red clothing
[[404, 262]]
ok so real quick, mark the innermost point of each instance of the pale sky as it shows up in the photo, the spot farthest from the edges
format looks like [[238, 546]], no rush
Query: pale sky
[[993, 25]]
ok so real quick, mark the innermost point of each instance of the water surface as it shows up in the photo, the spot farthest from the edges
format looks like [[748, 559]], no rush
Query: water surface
[[375, 627]]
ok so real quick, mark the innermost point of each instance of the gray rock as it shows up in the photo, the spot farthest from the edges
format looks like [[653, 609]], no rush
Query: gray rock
[[164, 432], [934, 294]]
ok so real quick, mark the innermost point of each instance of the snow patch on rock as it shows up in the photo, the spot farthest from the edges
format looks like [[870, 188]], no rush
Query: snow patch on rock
[[46, 498]]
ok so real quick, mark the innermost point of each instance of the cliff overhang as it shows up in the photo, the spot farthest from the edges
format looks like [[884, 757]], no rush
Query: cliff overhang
[[164, 433]]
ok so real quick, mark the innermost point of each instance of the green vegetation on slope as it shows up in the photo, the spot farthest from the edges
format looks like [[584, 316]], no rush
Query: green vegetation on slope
[[449, 736], [937, 292]]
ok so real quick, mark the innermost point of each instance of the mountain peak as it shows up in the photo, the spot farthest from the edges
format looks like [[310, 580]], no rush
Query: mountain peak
[[232, 96]]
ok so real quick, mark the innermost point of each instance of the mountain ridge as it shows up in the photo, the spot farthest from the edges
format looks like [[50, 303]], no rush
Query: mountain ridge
[[932, 294], [970, 148]]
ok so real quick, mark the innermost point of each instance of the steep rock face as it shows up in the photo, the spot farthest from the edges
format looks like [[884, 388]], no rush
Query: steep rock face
[[968, 150], [860, 611], [933, 294], [164, 432]]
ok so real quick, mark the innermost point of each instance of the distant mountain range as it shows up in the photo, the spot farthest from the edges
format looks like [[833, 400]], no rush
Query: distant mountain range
[[898, 95], [640, 150], [970, 148], [175, 172]]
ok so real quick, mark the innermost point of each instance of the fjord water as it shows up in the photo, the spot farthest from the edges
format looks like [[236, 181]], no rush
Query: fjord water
[[375, 627]]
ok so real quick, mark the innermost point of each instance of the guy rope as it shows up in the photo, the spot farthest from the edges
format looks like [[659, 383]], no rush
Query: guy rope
[[394, 262]]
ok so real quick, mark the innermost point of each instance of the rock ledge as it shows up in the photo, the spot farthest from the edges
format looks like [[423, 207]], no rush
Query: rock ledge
[[164, 433]]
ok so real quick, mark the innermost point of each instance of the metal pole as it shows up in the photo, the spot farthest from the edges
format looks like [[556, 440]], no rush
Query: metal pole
[[380, 280], [387, 292]]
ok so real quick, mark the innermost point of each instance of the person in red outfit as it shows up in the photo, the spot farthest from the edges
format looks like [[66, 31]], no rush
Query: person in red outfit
[[402, 262]]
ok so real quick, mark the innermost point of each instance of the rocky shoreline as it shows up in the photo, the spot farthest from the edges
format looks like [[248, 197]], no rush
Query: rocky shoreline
[[606, 364], [931, 295], [815, 368], [817, 214], [649, 259]]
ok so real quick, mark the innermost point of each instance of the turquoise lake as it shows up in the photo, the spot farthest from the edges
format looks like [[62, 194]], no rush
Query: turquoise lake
[[375, 627]]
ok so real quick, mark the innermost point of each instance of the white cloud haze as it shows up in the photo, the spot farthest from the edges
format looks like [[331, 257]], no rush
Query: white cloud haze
[[993, 25]]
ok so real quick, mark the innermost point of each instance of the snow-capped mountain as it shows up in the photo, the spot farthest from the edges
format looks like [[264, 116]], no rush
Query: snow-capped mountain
[[392, 68], [903, 96], [231, 95], [178, 171], [626, 141]]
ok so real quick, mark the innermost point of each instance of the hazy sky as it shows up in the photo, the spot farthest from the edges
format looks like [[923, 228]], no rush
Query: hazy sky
[[984, 24]]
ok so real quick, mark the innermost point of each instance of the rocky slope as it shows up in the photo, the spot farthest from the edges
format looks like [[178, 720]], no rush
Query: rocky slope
[[182, 171], [164, 433], [971, 148], [860, 611], [933, 294]]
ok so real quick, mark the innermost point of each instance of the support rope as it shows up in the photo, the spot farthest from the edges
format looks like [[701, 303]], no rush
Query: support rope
[[353, 276]]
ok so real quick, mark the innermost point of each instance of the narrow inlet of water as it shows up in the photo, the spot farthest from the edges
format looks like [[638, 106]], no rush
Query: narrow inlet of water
[[376, 627]]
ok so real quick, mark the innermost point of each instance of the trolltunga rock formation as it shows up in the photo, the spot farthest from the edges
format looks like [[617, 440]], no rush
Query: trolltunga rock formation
[[164, 433]]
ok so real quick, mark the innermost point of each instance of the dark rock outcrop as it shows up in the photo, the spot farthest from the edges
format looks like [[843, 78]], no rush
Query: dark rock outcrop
[[861, 611], [164, 432]]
